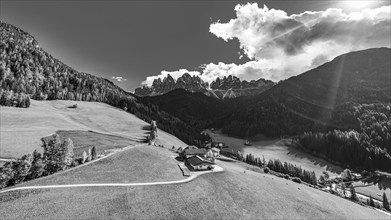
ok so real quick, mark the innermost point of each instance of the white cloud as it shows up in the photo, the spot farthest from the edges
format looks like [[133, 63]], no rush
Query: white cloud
[[281, 45], [119, 78]]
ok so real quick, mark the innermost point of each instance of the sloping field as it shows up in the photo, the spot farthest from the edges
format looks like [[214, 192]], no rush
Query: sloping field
[[84, 140], [21, 129], [139, 164], [236, 193], [276, 149]]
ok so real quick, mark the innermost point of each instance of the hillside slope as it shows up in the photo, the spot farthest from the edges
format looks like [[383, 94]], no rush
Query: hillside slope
[[233, 194], [21, 129], [27, 71], [317, 98]]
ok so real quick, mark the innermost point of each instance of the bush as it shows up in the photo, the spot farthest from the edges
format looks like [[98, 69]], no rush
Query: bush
[[93, 153], [84, 157], [266, 170], [296, 179]]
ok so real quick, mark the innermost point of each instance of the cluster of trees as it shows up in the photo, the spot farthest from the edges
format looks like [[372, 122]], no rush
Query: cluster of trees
[[58, 155], [9, 98], [367, 148], [276, 165], [385, 203], [293, 170], [27, 71]]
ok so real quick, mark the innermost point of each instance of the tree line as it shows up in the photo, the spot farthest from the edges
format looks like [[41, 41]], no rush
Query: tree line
[[58, 155], [368, 147], [276, 165]]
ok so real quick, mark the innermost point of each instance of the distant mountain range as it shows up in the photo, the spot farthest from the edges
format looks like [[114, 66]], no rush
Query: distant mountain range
[[221, 88], [323, 98]]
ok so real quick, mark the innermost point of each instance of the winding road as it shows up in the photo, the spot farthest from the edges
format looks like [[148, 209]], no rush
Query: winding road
[[192, 177]]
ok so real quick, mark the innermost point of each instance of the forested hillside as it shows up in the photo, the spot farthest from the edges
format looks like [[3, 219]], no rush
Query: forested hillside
[[196, 109], [317, 99], [367, 147], [27, 71]]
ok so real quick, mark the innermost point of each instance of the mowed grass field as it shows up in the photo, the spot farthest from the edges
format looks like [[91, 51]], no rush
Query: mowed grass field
[[277, 149], [237, 193], [21, 129], [84, 140], [142, 163]]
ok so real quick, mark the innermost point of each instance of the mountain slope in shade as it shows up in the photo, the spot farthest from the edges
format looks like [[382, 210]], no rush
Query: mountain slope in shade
[[26, 70], [227, 87], [317, 98], [193, 108]]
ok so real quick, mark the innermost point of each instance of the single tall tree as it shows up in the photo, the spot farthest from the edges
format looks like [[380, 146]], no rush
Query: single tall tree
[[353, 195], [386, 204], [93, 153]]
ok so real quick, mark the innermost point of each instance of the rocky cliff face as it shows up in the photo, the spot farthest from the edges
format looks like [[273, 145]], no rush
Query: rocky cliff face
[[227, 87]]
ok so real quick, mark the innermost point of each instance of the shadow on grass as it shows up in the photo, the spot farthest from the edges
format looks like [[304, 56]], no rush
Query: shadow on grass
[[146, 127], [226, 160], [317, 161]]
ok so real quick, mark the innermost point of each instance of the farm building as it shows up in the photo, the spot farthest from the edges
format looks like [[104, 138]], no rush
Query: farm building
[[215, 151], [192, 147], [198, 163], [193, 152]]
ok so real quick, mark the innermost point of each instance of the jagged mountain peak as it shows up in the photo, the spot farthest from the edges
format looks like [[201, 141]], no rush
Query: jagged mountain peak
[[225, 87]]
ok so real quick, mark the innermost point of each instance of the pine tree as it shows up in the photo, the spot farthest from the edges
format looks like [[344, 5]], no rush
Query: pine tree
[[67, 146], [89, 155], [386, 204], [353, 195], [371, 202], [84, 157], [93, 153]]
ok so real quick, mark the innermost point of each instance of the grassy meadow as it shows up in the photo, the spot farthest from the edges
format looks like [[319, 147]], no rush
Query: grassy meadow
[[21, 129], [237, 193], [142, 163]]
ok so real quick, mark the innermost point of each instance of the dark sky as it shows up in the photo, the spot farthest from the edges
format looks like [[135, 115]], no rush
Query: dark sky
[[134, 39]]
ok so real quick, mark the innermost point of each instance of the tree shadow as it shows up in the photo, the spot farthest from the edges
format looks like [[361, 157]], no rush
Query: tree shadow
[[296, 152], [146, 127], [226, 159]]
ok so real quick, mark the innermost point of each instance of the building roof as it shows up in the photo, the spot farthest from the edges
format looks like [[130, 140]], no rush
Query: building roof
[[197, 160], [191, 147], [215, 149], [201, 151]]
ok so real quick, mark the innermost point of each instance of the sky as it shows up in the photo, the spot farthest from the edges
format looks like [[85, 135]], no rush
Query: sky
[[135, 42]]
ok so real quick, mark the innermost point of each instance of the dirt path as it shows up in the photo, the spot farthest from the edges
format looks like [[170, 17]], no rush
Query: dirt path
[[192, 177]]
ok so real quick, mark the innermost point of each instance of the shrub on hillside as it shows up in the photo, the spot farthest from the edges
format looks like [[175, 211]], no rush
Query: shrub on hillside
[[93, 153], [266, 170], [89, 155], [84, 157], [296, 179]]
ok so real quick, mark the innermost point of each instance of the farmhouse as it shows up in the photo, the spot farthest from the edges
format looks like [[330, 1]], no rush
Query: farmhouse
[[187, 153], [198, 163], [191, 147], [215, 151]]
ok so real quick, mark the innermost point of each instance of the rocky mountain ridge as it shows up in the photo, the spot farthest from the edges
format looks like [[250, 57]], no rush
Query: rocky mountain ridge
[[221, 88]]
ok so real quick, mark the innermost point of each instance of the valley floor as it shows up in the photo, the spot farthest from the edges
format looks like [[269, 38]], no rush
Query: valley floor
[[240, 192]]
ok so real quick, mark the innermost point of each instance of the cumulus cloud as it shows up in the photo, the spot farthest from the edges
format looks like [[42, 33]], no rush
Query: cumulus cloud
[[281, 45], [119, 78]]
